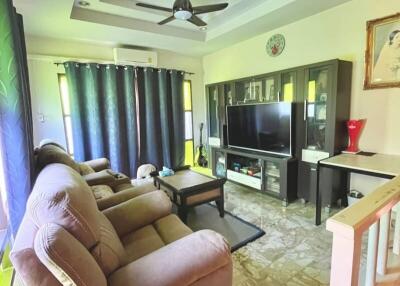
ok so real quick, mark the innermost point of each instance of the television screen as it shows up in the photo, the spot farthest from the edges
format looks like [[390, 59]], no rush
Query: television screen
[[262, 127]]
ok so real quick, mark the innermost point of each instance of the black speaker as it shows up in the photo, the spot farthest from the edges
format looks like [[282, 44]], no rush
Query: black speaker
[[225, 135]]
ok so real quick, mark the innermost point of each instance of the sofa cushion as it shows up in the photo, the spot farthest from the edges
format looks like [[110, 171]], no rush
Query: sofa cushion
[[141, 242], [61, 196], [109, 252], [66, 257], [50, 154], [102, 191], [171, 228]]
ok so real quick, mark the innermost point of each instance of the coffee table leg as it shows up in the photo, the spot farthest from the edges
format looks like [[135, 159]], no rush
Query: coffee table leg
[[220, 203], [182, 213]]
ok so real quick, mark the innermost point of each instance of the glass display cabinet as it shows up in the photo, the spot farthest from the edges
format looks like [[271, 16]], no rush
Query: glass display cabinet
[[326, 99]]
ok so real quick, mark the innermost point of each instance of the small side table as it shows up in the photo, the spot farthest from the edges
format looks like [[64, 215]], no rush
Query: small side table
[[188, 189]]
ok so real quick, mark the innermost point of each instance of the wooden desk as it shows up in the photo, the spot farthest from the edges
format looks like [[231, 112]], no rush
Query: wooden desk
[[377, 165]]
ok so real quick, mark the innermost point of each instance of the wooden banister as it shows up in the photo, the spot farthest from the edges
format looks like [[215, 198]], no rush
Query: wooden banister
[[348, 227]]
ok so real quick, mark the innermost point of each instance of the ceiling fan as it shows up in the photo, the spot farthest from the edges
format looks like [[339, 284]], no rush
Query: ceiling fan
[[183, 10]]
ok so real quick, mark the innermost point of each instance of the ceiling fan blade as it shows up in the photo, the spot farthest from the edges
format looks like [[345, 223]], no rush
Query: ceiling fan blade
[[197, 21], [154, 7], [209, 8], [169, 19]]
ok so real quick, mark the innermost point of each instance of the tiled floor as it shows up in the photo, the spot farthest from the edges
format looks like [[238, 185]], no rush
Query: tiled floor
[[292, 252]]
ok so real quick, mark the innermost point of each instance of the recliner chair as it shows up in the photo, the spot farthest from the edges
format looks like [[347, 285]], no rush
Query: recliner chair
[[109, 187]]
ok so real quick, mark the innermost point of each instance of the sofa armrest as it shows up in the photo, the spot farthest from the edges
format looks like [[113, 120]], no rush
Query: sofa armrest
[[138, 212], [99, 164], [103, 177], [123, 196], [183, 262]]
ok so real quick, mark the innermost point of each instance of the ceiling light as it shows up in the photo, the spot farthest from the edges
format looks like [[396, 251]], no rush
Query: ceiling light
[[83, 3], [182, 14]]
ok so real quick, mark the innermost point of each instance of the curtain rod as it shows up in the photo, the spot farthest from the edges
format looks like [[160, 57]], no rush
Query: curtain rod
[[112, 63]]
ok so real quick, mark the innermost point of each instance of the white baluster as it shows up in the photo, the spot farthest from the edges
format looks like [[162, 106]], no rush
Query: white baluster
[[373, 237], [383, 243], [345, 263], [396, 238]]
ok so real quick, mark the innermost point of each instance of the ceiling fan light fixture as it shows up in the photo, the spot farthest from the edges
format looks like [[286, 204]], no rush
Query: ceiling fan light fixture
[[182, 14], [83, 3]]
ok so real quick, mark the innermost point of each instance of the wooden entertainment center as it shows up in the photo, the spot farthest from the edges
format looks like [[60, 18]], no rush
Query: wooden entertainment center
[[275, 175], [320, 94]]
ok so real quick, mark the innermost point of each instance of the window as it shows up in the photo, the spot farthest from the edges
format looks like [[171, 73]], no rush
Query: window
[[187, 93], [66, 110], [189, 145]]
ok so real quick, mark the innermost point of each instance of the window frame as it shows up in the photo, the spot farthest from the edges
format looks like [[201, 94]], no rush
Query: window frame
[[191, 111], [64, 114]]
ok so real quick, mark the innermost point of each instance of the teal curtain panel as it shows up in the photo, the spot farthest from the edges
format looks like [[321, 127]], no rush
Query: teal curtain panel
[[16, 138], [127, 114]]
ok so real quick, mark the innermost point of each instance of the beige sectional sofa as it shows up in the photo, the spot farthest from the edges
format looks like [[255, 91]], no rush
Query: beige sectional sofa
[[64, 239]]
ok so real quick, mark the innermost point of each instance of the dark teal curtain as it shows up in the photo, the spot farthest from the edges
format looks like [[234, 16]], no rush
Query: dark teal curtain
[[161, 117], [103, 112], [16, 139], [130, 115]]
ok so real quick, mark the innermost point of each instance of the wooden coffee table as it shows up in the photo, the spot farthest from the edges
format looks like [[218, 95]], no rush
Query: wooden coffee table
[[188, 189]]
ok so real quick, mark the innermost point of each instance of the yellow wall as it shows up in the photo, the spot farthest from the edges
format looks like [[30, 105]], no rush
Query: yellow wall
[[336, 33]]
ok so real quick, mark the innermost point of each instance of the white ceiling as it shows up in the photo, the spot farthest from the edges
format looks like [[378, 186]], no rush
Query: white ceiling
[[122, 23]]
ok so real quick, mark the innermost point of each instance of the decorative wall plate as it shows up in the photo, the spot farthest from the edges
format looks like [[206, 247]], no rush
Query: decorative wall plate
[[275, 45]]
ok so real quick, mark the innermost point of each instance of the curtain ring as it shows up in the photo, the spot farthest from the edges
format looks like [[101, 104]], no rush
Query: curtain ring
[[116, 67], [87, 66], [108, 67], [77, 65], [125, 68]]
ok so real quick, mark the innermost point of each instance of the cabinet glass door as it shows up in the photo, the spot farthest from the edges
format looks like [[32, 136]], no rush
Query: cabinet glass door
[[250, 91], [213, 111], [287, 87], [316, 107], [220, 164], [228, 95], [272, 176], [271, 91]]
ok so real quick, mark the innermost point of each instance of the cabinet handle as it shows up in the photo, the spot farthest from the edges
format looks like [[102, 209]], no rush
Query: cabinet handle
[[313, 169], [305, 110]]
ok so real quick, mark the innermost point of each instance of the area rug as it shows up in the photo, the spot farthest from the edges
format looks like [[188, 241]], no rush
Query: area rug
[[236, 230]]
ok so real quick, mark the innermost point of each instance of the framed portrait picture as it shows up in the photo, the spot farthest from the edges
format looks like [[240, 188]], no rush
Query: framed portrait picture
[[382, 57]]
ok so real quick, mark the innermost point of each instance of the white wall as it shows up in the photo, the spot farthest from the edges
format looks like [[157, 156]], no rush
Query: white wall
[[44, 80], [336, 33], [46, 103]]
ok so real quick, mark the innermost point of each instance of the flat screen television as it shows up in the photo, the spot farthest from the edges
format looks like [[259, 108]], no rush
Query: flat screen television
[[261, 127]]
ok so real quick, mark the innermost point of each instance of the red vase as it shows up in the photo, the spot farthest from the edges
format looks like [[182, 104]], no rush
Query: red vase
[[354, 128]]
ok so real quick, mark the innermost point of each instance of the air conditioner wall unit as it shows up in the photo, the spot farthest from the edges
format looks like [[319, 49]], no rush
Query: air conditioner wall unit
[[135, 57]]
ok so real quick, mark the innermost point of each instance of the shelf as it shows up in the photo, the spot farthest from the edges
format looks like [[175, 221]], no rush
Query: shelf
[[268, 174], [247, 180]]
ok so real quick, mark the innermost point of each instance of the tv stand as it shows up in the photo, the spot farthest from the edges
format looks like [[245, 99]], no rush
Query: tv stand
[[270, 174]]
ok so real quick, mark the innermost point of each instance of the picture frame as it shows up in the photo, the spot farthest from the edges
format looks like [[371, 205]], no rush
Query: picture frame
[[382, 56]]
